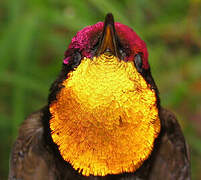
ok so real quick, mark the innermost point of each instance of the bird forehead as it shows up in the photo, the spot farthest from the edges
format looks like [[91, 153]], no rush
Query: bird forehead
[[86, 41], [88, 36]]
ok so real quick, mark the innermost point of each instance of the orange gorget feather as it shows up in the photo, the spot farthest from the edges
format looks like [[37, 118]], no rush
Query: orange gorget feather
[[105, 119]]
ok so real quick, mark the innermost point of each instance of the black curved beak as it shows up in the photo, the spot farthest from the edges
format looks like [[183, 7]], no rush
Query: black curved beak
[[108, 42]]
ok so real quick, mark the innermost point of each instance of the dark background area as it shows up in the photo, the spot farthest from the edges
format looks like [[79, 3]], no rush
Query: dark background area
[[34, 35]]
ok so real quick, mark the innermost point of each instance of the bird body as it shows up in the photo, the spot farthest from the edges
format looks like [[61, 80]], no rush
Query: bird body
[[103, 119], [33, 158]]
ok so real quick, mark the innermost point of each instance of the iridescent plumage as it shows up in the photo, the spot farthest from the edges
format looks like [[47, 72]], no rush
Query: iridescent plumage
[[103, 119]]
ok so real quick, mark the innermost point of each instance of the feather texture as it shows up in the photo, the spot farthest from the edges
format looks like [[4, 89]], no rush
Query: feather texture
[[33, 158]]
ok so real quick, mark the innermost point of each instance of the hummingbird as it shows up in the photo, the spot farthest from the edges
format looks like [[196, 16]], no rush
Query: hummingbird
[[103, 119]]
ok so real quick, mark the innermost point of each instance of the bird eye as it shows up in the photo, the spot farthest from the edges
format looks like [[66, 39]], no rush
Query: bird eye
[[76, 58], [138, 62]]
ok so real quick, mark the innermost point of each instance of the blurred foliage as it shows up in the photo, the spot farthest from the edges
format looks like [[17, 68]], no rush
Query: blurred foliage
[[35, 34]]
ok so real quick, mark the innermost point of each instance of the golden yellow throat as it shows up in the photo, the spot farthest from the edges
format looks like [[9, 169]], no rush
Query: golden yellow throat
[[105, 118]]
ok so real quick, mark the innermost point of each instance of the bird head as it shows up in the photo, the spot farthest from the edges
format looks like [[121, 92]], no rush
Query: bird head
[[104, 106]]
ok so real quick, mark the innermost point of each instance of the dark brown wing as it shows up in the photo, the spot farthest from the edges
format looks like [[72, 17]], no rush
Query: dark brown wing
[[171, 159], [29, 158]]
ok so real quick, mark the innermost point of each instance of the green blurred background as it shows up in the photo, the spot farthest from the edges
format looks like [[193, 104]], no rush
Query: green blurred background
[[35, 34]]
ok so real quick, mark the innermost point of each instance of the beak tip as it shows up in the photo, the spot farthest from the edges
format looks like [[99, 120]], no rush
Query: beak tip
[[109, 19], [108, 40]]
